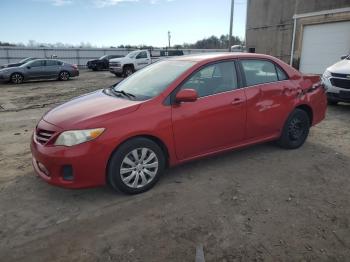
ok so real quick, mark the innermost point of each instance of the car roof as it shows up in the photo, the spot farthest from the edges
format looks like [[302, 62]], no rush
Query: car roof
[[207, 57]]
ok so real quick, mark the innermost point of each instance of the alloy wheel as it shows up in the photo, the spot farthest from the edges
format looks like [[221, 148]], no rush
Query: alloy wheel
[[64, 76], [17, 78]]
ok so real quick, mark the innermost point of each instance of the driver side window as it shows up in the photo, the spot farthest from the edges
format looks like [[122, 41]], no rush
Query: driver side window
[[141, 55], [37, 63], [213, 79]]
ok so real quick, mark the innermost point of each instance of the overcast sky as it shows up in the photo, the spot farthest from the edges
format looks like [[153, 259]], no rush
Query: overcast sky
[[116, 22]]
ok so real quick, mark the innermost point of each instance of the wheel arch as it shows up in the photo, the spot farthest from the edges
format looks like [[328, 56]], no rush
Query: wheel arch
[[308, 110], [153, 138], [131, 65]]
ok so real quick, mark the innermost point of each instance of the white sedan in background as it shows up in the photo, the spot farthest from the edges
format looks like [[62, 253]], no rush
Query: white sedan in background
[[337, 81]]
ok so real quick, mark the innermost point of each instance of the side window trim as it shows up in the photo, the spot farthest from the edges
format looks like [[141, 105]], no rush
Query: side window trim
[[170, 100], [242, 73]]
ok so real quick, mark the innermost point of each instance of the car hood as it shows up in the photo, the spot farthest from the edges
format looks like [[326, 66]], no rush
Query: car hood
[[89, 110], [342, 67], [11, 65], [94, 60], [117, 59]]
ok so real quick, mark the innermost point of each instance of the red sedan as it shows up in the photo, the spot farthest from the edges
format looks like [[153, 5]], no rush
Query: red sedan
[[174, 111]]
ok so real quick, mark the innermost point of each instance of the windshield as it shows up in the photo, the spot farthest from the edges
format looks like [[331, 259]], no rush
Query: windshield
[[153, 79], [25, 60], [103, 57], [132, 54]]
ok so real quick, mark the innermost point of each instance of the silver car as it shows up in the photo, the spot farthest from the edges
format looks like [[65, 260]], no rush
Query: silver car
[[39, 69]]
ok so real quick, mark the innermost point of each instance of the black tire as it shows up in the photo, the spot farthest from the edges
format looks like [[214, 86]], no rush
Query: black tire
[[332, 102], [295, 130], [127, 71], [94, 69], [16, 78], [118, 160], [64, 76]]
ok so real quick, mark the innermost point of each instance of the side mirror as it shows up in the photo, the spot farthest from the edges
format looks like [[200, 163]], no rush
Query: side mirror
[[186, 95], [343, 57]]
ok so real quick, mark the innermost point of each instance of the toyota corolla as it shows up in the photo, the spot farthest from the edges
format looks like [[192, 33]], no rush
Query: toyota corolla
[[173, 111]]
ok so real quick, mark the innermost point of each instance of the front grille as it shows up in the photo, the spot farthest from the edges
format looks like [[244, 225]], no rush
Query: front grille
[[342, 83], [114, 64], [43, 136], [341, 75]]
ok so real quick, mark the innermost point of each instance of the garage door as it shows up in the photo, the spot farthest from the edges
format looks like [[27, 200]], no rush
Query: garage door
[[323, 45]]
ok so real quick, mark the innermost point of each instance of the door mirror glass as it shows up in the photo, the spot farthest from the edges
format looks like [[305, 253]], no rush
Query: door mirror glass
[[186, 95]]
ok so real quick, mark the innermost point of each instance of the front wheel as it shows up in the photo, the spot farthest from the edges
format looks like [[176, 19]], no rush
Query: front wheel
[[136, 166], [295, 130], [127, 71], [64, 76], [16, 78]]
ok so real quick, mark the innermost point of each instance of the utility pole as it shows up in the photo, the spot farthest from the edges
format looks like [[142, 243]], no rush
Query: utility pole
[[169, 36], [231, 25]]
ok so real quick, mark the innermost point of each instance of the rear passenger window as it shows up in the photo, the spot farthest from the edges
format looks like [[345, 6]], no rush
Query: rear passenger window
[[259, 72], [51, 62], [281, 74], [213, 79]]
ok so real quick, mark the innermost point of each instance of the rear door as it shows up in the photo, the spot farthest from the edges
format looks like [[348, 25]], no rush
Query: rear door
[[270, 97], [142, 60], [51, 69], [217, 119]]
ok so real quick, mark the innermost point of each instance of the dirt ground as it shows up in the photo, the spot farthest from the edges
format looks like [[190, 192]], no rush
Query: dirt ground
[[262, 203]]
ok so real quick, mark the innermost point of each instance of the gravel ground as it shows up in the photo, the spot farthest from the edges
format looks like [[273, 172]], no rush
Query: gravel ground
[[261, 203]]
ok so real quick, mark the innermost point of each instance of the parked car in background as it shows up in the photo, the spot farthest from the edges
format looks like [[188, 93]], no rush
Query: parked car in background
[[173, 111], [128, 64], [136, 60], [39, 69], [101, 63], [238, 48], [337, 81], [21, 62]]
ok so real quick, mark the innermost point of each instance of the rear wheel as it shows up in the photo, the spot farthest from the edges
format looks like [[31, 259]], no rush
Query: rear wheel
[[64, 76], [136, 166], [295, 130], [16, 78], [127, 71]]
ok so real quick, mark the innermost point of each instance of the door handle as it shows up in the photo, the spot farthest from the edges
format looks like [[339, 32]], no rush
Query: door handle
[[237, 101]]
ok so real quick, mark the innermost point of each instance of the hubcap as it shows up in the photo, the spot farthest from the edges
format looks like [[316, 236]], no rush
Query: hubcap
[[139, 167], [296, 129]]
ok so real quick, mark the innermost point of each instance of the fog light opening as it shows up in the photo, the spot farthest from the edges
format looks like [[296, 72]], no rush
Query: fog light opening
[[67, 173]]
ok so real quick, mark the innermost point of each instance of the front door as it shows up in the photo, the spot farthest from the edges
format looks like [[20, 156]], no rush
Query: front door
[[142, 60], [217, 119], [35, 69]]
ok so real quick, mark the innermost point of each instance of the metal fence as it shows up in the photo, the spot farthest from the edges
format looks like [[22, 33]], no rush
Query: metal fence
[[78, 56]]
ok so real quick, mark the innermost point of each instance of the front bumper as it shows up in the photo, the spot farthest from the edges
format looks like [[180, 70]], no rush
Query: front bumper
[[116, 70], [4, 78], [335, 93], [85, 163]]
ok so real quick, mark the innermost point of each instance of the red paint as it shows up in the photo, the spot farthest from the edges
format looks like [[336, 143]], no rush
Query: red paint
[[189, 130]]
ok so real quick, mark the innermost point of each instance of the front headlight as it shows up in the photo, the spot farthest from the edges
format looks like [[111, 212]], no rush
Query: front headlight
[[75, 137], [327, 74]]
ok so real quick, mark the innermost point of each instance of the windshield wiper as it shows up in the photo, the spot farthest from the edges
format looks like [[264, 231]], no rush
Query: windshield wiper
[[129, 95]]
